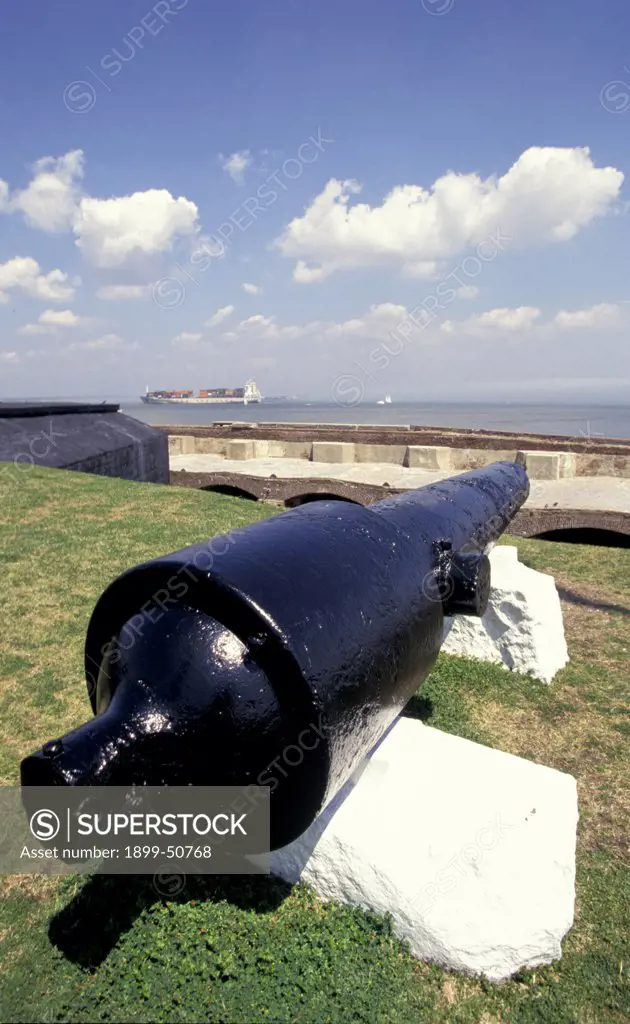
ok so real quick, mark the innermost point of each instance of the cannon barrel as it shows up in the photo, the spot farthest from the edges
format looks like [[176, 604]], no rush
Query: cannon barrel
[[279, 654]]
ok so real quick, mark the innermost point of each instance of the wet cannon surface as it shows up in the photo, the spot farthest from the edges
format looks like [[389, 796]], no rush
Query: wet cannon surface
[[308, 631]]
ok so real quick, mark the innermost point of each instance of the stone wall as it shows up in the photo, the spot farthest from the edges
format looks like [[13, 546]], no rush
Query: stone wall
[[551, 464], [287, 492], [374, 434]]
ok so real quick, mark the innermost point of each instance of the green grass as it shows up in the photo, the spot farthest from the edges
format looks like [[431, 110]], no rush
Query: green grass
[[240, 950]]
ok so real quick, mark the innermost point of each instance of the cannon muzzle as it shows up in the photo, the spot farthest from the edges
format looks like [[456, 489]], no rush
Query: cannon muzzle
[[279, 654]]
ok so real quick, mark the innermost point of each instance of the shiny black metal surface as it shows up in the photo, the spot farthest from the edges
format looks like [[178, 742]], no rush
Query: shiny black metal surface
[[280, 654]]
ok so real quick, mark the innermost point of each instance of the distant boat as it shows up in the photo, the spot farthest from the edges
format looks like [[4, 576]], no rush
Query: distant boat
[[385, 401]]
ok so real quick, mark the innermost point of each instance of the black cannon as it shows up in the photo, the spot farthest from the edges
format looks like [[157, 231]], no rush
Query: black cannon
[[307, 631]]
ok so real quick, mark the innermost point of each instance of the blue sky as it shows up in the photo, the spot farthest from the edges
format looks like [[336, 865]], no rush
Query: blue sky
[[131, 133]]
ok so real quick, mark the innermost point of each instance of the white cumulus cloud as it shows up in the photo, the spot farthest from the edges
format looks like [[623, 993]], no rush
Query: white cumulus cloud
[[22, 273], [502, 319], [51, 320], [219, 316], [60, 318], [236, 164], [50, 200], [375, 323], [605, 314], [258, 320], [548, 195], [116, 292], [251, 289], [108, 231]]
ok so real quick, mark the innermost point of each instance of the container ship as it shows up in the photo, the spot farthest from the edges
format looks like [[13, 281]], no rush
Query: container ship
[[217, 396]]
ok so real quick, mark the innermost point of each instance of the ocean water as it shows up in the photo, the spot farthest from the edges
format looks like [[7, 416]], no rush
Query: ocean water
[[575, 420], [583, 420]]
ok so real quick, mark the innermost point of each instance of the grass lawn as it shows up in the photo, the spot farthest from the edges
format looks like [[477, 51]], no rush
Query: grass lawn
[[241, 950]]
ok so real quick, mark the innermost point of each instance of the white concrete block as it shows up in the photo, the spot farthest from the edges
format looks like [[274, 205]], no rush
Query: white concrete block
[[333, 451], [568, 465], [522, 628], [277, 449], [549, 465], [240, 449], [470, 850], [381, 453], [426, 456]]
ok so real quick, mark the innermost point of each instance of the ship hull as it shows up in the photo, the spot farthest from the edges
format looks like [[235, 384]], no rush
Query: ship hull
[[199, 401], [208, 396]]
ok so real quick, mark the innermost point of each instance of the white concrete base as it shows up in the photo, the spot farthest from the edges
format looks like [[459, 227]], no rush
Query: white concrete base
[[333, 451], [422, 456], [522, 628], [549, 465], [240, 449], [470, 850]]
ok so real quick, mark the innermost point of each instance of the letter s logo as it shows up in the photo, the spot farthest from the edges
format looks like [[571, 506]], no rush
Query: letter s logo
[[44, 825]]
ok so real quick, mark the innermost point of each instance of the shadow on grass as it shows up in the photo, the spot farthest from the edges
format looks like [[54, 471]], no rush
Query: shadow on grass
[[88, 928], [419, 707], [572, 597], [107, 906]]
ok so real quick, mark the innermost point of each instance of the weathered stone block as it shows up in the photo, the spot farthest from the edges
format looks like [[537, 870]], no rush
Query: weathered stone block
[[522, 628], [208, 446], [463, 459], [379, 453], [567, 467], [277, 450], [549, 465], [333, 451], [433, 457], [240, 450]]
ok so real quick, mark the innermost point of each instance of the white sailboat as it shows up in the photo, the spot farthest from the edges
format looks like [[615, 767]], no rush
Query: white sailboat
[[385, 401]]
